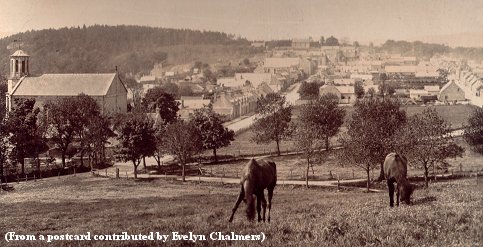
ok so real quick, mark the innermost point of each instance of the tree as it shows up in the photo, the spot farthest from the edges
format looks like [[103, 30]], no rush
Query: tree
[[171, 88], [183, 140], [309, 90], [83, 119], [3, 90], [474, 131], [426, 140], [24, 133], [246, 61], [322, 40], [61, 124], [371, 92], [160, 135], [355, 44], [372, 129], [307, 141], [332, 41], [359, 89], [98, 132], [354, 153], [274, 121], [4, 149], [135, 134], [325, 115], [157, 100], [210, 125], [317, 122], [443, 76]]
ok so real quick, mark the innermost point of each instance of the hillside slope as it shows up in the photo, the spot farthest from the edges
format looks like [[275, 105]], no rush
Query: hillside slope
[[135, 49]]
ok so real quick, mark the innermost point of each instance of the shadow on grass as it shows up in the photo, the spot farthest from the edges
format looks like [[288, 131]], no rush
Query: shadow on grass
[[424, 200]]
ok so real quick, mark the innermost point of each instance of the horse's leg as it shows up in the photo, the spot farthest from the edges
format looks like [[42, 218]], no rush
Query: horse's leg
[[259, 206], [264, 205], [390, 186], [397, 194], [241, 196], [270, 195]]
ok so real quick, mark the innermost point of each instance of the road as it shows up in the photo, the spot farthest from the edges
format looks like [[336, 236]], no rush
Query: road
[[244, 122], [292, 95]]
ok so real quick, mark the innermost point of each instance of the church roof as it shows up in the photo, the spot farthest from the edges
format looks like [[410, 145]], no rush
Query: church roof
[[19, 53], [65, 85]]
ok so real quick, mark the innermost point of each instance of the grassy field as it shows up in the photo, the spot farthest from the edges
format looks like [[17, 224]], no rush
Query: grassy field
[[456, 115], [293, 166], [447, 214]]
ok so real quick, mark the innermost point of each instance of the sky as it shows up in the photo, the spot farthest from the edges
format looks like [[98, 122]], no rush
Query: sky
[[362, 20]]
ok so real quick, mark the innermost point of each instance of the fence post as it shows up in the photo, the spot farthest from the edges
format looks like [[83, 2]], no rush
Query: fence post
[[35, 179], [290, 174], [330, 174], [74, 171], [353, 174], [25, 177], [126, 175], [106, 172], [117, 172], [461, 167], [18, 179], [338, 182]]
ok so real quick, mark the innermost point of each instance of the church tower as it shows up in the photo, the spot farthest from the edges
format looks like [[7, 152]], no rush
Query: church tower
[[19, 67]]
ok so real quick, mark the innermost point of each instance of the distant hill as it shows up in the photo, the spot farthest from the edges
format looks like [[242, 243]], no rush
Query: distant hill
[[455, 40], [99, 48]]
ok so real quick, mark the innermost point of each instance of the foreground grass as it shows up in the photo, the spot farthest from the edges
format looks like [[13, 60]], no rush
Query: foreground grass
[[448, 214]]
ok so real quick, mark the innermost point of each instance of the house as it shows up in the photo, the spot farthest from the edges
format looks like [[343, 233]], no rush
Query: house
[[258, 44], [254, 79], [363, 77], [451, 92], [344, 81], [345, 94], [233, 104], [348, 95], [188, 104], [147, 79], [107, 89], [281, 64], [432, 90], [301, 43], [416, 94], [406, 70]]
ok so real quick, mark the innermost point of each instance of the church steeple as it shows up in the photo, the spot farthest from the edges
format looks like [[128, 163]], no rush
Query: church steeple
[[19, 64]]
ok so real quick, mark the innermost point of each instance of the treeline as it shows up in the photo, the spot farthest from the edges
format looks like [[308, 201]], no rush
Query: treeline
[[427, 50], [77, 128], [100, 48]]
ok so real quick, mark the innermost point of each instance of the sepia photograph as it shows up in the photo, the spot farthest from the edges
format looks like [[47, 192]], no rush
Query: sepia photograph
[[241, 123]]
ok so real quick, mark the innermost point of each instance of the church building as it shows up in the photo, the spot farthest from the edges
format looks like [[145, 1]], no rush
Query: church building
[[107, 89]]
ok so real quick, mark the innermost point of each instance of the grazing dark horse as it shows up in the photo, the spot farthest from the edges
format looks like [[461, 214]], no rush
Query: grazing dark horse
[[257, 176], [395, 170]]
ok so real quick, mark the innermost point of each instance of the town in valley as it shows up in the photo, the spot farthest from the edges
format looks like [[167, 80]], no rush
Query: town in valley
[[124, 128]]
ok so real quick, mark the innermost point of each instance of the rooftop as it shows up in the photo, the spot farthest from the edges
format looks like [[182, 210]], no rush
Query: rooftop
[[65, 85]]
